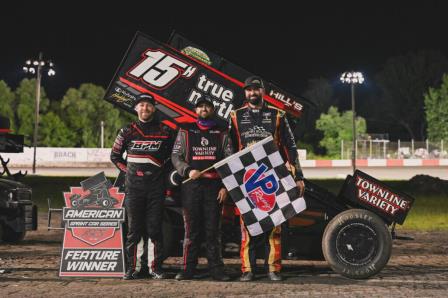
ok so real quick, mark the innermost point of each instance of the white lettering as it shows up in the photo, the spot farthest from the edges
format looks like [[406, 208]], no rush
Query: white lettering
[[91, 266], [73, 214]]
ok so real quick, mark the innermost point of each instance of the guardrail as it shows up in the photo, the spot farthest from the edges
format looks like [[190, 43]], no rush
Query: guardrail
[[320, 169], [385, 149], [324, 163], [47, 157]]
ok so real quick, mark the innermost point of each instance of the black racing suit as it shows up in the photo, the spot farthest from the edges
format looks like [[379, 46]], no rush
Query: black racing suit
[[249, 126], [148, 145], [198, 148]]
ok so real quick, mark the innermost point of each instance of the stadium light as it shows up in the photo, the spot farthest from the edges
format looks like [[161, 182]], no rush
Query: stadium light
[[352, 78], [37, 67]]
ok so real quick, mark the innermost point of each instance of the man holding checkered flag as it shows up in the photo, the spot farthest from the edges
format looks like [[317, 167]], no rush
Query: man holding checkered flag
[[258, 180], [261, 186]]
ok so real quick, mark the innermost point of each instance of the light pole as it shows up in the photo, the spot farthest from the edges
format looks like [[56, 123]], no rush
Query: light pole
[[352, 78], [36, 67], [102, 134]]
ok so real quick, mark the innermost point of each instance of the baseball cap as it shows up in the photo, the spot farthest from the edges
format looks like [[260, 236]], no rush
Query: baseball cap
[[144, 97], [253, 81], [203, 99]]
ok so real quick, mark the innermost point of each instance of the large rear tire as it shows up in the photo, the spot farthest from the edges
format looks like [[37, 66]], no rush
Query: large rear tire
[[357, 244], [11, 236]]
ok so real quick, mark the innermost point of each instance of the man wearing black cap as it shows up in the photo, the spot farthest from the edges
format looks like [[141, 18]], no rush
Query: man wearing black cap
[[148, 144], [198, 146], [250, 124]]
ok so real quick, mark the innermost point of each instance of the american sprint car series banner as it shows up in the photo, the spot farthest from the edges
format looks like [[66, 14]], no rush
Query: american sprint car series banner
[[93, 238], [177, 78]]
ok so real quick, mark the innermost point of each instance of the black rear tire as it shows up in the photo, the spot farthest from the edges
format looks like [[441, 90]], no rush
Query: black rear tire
[[357, 244], [11, 236]]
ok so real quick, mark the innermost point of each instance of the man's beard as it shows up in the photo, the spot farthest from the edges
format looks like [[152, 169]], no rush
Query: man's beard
[[255, 100], [147, 118], [207, 116], [204, 118]]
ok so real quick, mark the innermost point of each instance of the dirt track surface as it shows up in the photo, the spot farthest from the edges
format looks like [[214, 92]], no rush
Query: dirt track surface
[[417, 268]]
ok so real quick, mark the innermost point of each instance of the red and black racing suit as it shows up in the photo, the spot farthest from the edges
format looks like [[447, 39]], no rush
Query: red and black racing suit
[[198, 148], [148, 145], [249, 126]]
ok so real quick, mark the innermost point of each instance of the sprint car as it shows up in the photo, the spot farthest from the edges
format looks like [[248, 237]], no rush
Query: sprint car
[[353, 230], [97, 194], [78, 201]]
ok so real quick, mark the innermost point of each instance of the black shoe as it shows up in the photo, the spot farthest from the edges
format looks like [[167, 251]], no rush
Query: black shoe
[[184, 275], [247, 276], [219, 275], [275, 276], [130, 274], [143, 273], [157, 274]]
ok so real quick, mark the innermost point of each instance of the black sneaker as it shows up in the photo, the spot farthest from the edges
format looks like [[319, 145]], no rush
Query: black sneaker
[[142, 274], [219, 275], [275, 276], [184, 275], [130, 274], [157, 274], [247, 276]]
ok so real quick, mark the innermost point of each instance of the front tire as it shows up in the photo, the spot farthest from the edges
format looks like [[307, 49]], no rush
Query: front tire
[[74, 200], [357, 244]]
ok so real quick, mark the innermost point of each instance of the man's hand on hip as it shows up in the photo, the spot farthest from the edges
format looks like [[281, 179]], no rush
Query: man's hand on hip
[[222, 195]]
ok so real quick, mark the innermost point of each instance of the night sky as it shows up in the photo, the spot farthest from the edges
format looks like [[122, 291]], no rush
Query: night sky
[[286, 44]]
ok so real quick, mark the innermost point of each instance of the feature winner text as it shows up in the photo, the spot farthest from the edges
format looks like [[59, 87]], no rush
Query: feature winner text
[[88, 260]]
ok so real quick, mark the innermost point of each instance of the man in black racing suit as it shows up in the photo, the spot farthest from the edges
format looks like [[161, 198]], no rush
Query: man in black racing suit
[[198, 146], [148, 144], [249, 124]]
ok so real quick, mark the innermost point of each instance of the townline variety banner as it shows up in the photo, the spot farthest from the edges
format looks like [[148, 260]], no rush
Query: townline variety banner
[[261, 187], [177, 78], [93, 241], [374, 195]]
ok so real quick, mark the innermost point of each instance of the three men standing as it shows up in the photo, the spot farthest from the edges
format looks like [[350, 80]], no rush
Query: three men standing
[[197, 147]]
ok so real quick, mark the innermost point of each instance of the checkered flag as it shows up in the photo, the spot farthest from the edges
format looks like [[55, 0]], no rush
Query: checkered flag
[[261, 186]]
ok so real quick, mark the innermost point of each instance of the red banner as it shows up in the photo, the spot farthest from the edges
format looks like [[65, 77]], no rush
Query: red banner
[[93, 241]]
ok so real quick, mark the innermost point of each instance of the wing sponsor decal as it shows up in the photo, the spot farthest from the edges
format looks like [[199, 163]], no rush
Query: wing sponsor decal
[[178, 76]]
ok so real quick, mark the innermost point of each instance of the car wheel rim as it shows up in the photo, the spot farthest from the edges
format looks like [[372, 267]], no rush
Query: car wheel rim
[[357, 244]]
